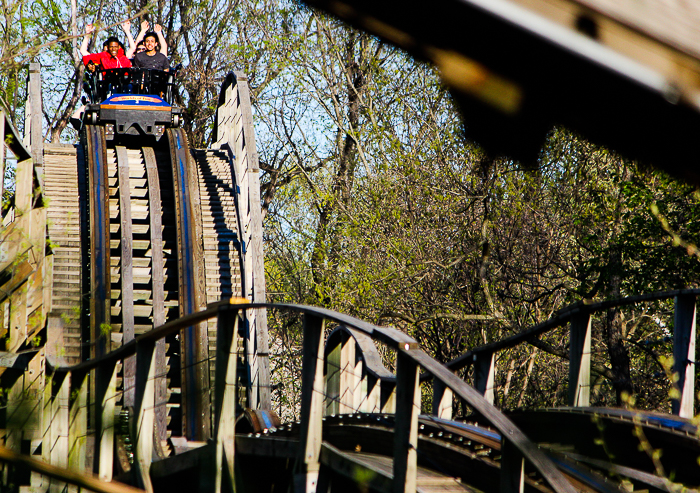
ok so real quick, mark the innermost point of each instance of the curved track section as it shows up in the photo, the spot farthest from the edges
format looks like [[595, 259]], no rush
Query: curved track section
[[155, 252], [643, 446], [452, 456]]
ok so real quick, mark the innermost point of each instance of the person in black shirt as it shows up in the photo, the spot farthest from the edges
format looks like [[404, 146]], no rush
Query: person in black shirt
[[151, 58]]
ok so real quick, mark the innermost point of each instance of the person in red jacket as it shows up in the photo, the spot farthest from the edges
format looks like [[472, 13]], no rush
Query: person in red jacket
[[113, 57]]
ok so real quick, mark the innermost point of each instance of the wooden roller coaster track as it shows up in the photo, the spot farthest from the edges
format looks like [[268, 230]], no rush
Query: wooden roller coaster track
[[136, 353]]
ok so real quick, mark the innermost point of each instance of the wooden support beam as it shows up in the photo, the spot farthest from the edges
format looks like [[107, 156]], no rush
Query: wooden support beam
[[144, 413], [349, 380], [408, 400], [373, 391], [442, 400], [3, 118], [157, 277], [485, 374], [37, 139], [225, 398], [82, 481], [127, 271], [307, 464], [77, 427], [46, 417], [512, 468], [105, 400], [580, 360], [684, 333], [388, 397], [256, 242], [333, 378], [195, 367], [58, 436]]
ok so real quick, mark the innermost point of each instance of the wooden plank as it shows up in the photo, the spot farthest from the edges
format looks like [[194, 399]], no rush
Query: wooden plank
[[580, 360], [225, 397], [127, 277], [37, 116], [684, 333], [196, 406], [512, 468], [310, 435], [484, 374], [59, 426], [77, 431], [249, 180], [157, 282], [332, 362], [105, 400], [349, 380], [100, 280], [144, 412], [442, 400], [406, 428]]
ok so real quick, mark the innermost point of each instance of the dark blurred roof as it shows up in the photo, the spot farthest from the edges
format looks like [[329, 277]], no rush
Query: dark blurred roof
[[624, 73]]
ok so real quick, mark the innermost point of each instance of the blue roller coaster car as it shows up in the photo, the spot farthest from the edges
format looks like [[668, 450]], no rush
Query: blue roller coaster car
[[132, 101]]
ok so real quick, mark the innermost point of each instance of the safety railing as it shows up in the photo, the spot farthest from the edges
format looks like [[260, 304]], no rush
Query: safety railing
[[55, 478], [353, 366], [66, 400], [579, 318]]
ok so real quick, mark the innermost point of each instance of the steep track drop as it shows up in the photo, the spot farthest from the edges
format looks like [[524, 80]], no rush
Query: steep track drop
[[158, 252]]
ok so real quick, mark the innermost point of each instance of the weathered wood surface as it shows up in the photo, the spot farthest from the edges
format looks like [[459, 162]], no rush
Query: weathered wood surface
[[126, 278], [580, 360], [356, 378], [158, 289], [195, 369], [61, 474], [312, 388], [684, 340], [221, 237], [225, 398], [235, 136], [408, 399], [61, 187]]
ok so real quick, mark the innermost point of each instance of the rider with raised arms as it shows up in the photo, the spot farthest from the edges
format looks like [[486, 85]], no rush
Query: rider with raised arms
[[151, 58]]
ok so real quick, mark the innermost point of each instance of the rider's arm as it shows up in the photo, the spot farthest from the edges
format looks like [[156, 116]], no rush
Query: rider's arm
[[142, 32], [86, 40], [126, 27], [161, 39]]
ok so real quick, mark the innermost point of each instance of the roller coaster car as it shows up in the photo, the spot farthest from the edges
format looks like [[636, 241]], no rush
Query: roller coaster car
[[133, 101]]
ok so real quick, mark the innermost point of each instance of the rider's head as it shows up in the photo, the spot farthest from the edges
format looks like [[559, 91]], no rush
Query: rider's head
[[150, 41], [113, 46], [140, 47]]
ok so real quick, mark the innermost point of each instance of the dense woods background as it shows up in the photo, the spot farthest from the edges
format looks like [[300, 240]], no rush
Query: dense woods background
[[376, 204]]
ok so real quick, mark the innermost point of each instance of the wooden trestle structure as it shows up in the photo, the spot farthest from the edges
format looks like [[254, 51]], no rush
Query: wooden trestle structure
[[135, 353]]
